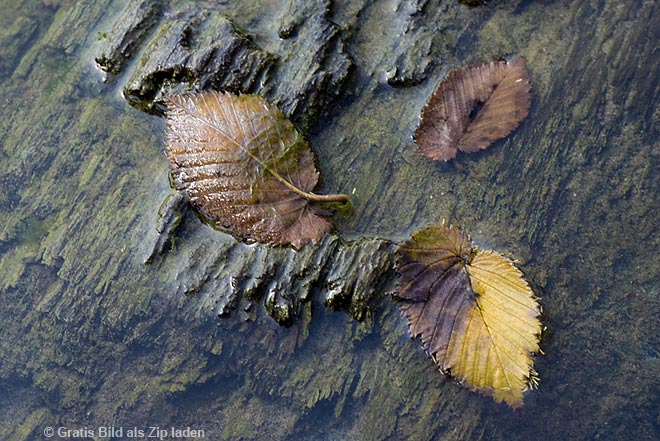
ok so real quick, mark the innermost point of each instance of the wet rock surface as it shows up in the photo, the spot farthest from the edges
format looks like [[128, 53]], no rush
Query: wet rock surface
[[194, 48], [91, 334], [226, 276], [412, 60], [316, 66], [201, 48], [130, 29]]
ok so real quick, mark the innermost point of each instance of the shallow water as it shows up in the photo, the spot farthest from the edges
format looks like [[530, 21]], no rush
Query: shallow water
[[94, 338]]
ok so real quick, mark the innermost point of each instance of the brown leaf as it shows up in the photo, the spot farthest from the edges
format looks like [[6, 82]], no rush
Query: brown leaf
[[472, 107], [475, 314], [245, 168]]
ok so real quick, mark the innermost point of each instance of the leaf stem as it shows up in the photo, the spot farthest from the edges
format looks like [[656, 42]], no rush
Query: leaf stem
[[343, 198]]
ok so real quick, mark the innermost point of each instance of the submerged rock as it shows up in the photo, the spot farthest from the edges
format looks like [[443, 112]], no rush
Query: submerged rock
[[315, 68], [130, 29], [408, 63], [90, 330], [195, 48], [224, 273], [204, 49], [198, 49]]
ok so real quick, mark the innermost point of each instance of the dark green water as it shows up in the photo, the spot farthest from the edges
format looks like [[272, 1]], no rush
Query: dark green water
[[93, 338]]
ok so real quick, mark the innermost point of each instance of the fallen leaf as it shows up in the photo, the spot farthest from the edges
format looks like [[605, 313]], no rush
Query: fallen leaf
[[472, 107], [245, 168], [473, 311]]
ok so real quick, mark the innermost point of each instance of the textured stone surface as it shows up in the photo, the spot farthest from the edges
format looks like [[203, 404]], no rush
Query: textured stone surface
[[344, 276], [316, 65], [199, 49], [92, 335], [202, 48], [129, 30]]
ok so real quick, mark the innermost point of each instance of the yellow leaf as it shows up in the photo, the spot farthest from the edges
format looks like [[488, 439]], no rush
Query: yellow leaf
[[475, 314], [508, 327]]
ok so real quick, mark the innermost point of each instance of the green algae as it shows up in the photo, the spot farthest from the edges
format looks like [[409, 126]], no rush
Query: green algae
[[571, 194], [32, 426]]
